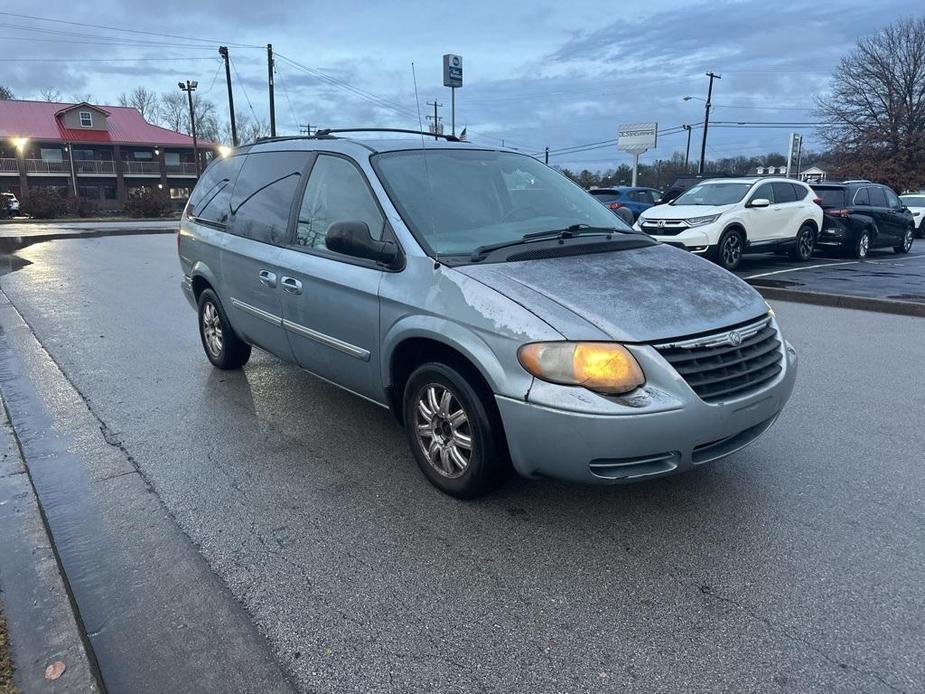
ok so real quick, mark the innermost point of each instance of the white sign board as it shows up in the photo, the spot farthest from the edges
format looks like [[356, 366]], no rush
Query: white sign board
[[452, 70], [637, 138]]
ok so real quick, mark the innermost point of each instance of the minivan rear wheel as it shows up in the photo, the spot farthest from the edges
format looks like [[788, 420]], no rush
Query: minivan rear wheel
[[452, 435], [222, 346]]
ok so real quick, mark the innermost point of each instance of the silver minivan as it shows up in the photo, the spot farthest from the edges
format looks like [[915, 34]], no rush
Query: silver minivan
[[503, 315]]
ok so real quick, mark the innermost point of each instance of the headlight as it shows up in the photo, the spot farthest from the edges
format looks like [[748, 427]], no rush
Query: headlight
[[700, 221], [604, 367]]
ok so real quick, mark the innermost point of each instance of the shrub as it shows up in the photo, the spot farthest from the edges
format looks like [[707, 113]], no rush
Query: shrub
[[82, 207], [44, 203], [147, 202]]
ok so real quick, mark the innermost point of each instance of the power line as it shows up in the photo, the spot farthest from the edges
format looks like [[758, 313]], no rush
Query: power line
[[129, 31], [243, 89], [96, 60], [285, 89]]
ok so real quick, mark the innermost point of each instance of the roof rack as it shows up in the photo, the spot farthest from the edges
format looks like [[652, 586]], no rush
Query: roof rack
[[327, 132]]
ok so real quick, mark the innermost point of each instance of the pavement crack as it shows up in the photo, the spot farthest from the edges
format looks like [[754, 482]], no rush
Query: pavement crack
[[796, 638]]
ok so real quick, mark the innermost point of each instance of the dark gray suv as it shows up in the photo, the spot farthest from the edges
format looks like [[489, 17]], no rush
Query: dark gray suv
[[503, 315]]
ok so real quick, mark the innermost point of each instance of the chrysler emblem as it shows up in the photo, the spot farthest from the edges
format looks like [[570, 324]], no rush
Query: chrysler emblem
[[735, 338]]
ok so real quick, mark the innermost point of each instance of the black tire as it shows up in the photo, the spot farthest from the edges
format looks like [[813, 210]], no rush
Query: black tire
[[920, 231], [906, 244], [728, 252], [860, 248], [805, 244], [486, 458], [229, 351]]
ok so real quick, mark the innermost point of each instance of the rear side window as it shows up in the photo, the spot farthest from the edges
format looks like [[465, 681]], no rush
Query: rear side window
[[877, 197], [263, 195], [831, 197], [784, 192], [209, 201], [801, 191], [336, 192], [862, 198]]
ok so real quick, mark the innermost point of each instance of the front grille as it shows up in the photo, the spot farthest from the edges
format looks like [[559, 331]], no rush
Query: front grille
[[717, 369], [667, 230]]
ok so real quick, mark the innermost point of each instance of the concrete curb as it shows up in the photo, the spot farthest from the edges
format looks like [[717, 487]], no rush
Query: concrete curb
[[860, 303], [9, 244], [40, 616]]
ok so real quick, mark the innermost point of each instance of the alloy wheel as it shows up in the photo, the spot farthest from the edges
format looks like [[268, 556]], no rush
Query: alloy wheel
[[806, 243], [863, 245], [732, 250], [212, 328], [442, 430], [907, 240]]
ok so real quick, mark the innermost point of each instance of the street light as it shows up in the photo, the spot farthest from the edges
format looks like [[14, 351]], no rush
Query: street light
[[189, 88]]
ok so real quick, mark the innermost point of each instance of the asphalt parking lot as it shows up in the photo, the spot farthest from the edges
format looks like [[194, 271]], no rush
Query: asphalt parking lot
[[882, 275], [795, 565]]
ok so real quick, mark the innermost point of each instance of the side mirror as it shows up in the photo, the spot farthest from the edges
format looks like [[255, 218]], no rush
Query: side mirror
[[759, 202], [354, 239]]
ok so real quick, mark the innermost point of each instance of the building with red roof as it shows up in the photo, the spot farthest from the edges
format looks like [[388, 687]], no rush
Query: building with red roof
[[100, 153]]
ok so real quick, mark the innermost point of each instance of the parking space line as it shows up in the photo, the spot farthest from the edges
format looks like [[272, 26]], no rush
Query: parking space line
[[802, 267]]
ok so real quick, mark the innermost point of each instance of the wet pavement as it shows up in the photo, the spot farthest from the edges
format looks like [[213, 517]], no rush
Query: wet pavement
[[794, 565], [882, 275]]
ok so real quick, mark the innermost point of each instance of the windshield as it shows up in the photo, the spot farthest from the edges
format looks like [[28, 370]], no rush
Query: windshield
[[913, 200], [713, 194], [831, 197], [456, 200]]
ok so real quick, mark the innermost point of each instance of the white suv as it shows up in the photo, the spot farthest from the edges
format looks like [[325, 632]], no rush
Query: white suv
[[727, 217], [12, 204]]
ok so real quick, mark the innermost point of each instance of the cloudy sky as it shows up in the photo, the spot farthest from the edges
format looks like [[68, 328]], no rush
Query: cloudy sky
[[557, 74]]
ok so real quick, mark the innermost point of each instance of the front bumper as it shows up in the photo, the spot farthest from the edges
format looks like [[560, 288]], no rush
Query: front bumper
[[676, 431]]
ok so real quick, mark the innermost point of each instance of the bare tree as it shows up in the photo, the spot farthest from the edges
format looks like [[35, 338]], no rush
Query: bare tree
[[5, 93], [49, 94], [80, 98], [249, 128], [174, 110], [145, 100], [174, 114], [875, 110]]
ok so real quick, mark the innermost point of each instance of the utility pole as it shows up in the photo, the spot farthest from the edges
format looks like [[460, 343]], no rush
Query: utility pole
[[270, 84], [547, 156], [687, 152], [189, 88], [305, 129], [706, 120], [436, 128], [223, 51]]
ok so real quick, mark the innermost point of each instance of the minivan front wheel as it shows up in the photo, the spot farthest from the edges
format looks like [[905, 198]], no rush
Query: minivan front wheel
[[223, 348], [452, 435], [728, 252]]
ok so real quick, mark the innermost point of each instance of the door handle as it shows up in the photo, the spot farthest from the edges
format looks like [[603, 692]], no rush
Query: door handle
[[267, 278], [291, 285]]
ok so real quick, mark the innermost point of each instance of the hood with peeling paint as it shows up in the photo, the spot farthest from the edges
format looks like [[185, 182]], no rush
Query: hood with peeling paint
[[637, 295]]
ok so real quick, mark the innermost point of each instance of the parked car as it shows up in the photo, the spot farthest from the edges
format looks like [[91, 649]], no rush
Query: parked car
[[724, 218], [915, 202], [860, 215], [500, 322], [11, 204], [626, 197]]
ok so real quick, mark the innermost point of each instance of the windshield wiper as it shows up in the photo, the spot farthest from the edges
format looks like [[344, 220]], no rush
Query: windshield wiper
[[567, 233]]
